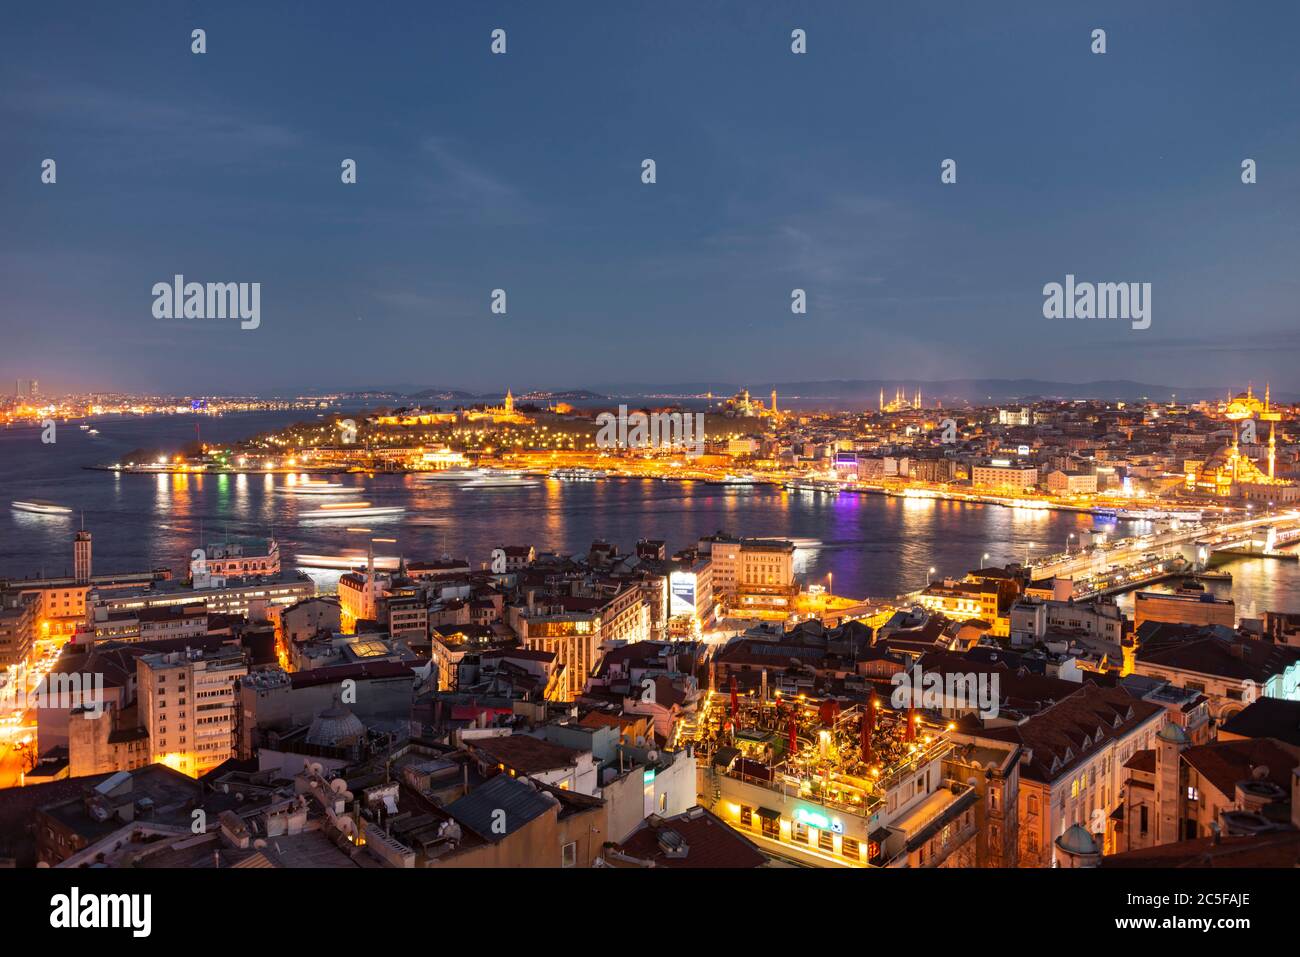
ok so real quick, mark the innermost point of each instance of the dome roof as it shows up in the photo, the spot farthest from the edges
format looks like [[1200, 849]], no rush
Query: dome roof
[[1077, 840], [1174, 734], [336, 727]]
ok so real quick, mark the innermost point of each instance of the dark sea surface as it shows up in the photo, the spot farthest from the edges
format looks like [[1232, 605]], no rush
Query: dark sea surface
[[873, 545]]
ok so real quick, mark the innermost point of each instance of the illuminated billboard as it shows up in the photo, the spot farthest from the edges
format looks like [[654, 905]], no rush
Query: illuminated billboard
[[681, 588]]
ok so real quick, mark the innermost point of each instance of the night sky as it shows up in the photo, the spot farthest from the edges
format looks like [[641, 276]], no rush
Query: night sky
[[523, 172]]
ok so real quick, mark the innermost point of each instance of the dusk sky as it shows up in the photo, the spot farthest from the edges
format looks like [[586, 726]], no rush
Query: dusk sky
[[522, 171]]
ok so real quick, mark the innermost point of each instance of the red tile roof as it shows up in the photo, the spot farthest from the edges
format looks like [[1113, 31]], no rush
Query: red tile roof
[[1075, 728], [1224, 763], [709, 842]]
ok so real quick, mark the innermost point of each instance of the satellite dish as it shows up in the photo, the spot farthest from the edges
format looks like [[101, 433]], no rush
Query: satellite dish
[[338, 785], [652, 755]]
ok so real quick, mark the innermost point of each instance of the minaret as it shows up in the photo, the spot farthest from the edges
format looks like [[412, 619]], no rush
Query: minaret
[[882, 398], [510, 402], [774, 402], [1272, 447], [1266, 397]]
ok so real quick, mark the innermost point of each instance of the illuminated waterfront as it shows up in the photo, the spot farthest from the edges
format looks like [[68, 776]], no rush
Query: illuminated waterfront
[[873, 545]]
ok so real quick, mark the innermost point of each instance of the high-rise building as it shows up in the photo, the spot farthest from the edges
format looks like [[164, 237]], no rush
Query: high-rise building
[[187, 703], [81, 557]]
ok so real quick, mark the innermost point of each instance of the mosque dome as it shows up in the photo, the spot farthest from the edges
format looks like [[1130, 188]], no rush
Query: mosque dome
[[336, 727]]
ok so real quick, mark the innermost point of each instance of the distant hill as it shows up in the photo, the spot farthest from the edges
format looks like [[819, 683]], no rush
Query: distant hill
[[443, 395], [572, 395], [969, 390]]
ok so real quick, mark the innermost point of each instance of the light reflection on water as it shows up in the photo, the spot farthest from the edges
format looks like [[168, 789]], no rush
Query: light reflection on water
[[873, 545]]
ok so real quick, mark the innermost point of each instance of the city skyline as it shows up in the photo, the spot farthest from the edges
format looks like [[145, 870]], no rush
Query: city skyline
[[522, 172]]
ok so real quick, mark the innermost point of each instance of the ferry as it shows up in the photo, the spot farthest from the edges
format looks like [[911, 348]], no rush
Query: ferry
[[92, 431], [816, 485], [383, 563], [578, 474], [1152, 514], [733, 480], [314, 487], [351, 510], [40, 507], [501, 480], [452, 475]]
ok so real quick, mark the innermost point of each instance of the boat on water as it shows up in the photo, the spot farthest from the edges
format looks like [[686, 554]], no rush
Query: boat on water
[[501, 480], [92, 431], [733, 480], [40, 507], [83, 427], [451, 475], [351, 510], [1153, 514], [578, 474], [346, 562], [314, 487]]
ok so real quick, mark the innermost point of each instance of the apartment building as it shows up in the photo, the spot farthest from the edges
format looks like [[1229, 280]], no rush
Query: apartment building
[[752, 574], [187, 702], [1074, 765], [1001, 475]]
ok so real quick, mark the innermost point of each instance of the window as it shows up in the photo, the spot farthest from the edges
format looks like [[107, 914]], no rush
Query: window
[[569, 855], [799, 831], [663, 802], [746, 815], [850, 848], [1193, 794], [772, 828], [826, 840]]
